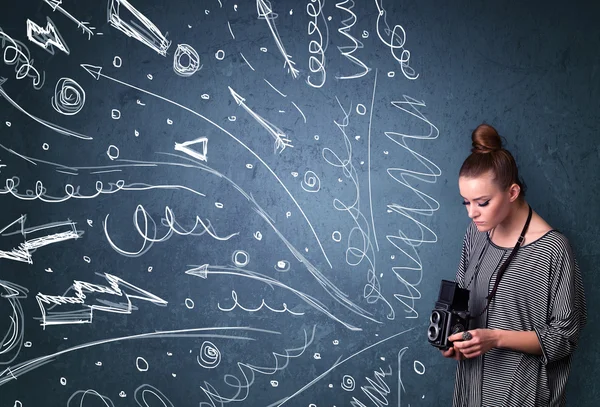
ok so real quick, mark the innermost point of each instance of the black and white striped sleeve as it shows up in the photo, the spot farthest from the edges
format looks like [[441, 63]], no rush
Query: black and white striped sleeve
[[567, 307], [464, 257]]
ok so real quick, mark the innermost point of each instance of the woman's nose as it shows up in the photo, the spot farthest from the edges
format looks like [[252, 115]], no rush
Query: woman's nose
[[473, 212]]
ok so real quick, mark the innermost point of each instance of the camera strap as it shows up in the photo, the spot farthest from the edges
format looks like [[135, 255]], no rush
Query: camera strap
[[508, 260]]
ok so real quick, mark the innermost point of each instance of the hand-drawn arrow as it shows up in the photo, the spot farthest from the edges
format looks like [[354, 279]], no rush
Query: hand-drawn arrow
[[24, 252], [47, 38], [85, 303], [56, 5]]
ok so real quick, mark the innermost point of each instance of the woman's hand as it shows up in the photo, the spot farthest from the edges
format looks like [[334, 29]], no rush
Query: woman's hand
[[452, 353], [482, 340]]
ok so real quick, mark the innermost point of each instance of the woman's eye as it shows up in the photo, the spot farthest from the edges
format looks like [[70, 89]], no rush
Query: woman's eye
[[485, 203], [465, 203]]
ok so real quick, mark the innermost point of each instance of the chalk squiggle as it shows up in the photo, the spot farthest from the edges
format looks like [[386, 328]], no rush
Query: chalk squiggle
[[169, 222], [241, 386], [406, 177], [360, 246], [397, 38], [236, 304], [348, 50]]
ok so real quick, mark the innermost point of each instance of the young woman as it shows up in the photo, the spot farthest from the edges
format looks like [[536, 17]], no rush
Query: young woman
[[517, 351]]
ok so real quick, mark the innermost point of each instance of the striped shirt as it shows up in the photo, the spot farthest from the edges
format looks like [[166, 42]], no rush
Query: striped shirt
[[540, 291]]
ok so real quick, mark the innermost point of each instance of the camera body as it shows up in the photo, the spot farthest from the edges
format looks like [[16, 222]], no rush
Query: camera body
[[450, 315]]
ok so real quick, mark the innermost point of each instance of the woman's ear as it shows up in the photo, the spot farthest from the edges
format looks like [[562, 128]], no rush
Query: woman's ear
[[513, 192]]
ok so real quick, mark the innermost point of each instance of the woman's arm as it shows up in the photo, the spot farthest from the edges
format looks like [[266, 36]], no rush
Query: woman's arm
[[485, 339], [521, 341]]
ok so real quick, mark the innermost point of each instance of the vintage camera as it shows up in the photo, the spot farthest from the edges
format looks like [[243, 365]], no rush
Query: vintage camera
[[450, 315]]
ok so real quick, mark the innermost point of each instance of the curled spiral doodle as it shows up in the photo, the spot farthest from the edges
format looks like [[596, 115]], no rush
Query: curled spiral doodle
[[311, 182], [210, 356], [68, 98], [348, 383], [188, 55]]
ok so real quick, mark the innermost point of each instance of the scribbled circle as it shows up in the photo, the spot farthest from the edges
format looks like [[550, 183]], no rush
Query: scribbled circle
[[348, 383], [98, 363], [220, 54], [232, 118], [316, 137], [361, 109], [115, 114], [258, 235], [282, 266], [8, 124], [274, 383], [150, 268], [391, 74], [45, 146], [263, 49], [209, 356], [18, 404], [186, 60], [189, 303], [240, 258], [112, 152], [117, 61], [149, 76], [336, 342], [330, 385], [28, 344], [336, 236], [219, 205], [69, 97], [365, 34], [122, 394], [317, 356], [205, 96], [249, 166], [294, 174], [419, 367], [169, 121], [141, 364], [87, 259], [311, 182], [63, 381]]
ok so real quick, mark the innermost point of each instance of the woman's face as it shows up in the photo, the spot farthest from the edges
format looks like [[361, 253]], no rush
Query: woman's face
[[485, 202]]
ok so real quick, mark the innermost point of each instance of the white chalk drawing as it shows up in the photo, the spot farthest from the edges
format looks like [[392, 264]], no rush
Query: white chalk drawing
[[11, 341], [16, 53], [47, 37], [209, 355], [265, 12], [85, 27], [278, 253], [281, 140], [186, 60], [201, 142], [69, 97], [139, 27], [348, 51], [317, 47], [36, 237], [395, 38], [89, 297], [78, 399]]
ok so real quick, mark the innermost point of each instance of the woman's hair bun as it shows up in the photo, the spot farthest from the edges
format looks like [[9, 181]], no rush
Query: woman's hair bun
[[485, 139]]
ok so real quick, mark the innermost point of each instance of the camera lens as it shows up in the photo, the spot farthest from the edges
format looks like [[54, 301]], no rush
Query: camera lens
[[435, 317], [433, 333]]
